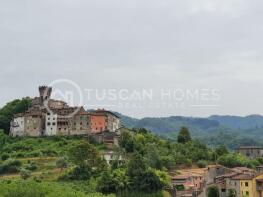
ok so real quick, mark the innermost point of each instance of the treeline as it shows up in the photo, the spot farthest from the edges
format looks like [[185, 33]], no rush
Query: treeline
[[11, 108]]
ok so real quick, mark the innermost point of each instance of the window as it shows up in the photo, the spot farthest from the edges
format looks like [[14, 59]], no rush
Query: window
[[53, 123], [48, 123], [246, 184], [247, 193], [59, 129]]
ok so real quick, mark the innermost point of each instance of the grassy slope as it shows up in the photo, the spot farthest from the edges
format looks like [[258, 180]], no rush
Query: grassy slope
[[44, 152]]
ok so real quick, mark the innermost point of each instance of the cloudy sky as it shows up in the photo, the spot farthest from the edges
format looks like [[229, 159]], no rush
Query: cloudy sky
[[137, 45]]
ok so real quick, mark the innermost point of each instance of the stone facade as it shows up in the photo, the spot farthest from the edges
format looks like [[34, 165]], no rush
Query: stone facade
[[251, 152], [232, 184]]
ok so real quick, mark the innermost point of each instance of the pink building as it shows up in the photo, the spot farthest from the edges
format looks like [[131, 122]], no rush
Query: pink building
[[190, 181]]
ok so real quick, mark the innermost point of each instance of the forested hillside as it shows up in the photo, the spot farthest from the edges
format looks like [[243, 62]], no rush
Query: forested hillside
[[233, 131]]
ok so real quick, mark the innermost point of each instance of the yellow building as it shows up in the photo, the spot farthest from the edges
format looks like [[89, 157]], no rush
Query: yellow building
[[250, 185]]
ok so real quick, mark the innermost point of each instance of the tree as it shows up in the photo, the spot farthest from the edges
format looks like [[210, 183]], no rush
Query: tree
[[213, 191], [84, 154], [201, 164], [150, 182], [127, 142], [87, 162], [11, 108], [113, 181], [153, 157], [232, 160], [142, 178], [231, 193], [183, 136], [221, 150], [4, 156]]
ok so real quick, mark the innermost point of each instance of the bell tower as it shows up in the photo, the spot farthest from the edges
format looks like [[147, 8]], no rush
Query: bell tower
[[44, 93]]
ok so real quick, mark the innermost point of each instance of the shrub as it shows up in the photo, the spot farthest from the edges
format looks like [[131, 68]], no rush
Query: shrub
[[188, 162], [61, 163], [25, 174], [77, 173], [201, 164], [213, 191], [10, 166], [5, 156], [37, 179], [36, 153], [49, 152], [31, 166]]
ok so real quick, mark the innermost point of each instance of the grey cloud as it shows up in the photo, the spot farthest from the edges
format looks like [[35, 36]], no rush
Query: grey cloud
[[134, 44]]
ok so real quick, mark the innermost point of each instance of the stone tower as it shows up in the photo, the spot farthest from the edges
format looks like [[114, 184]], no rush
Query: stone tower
[[44, 93]]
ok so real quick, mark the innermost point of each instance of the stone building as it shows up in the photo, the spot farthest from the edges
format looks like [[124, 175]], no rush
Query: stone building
[[251, 152], [34, 123], [49, 117]]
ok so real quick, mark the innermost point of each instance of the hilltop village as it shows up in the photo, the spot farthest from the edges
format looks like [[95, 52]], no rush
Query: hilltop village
[[49, 117]]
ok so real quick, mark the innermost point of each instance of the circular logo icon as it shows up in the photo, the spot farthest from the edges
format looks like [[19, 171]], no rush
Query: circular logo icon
[[62, 97]]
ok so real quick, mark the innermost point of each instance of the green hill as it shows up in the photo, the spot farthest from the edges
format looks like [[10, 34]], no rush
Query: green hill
[[215, 130]]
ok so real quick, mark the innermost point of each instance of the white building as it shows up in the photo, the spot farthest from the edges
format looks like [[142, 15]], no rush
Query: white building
[[51, 124], [109, 156]]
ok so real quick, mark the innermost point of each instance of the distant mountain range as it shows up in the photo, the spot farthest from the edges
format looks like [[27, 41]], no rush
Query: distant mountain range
[[232, 131]]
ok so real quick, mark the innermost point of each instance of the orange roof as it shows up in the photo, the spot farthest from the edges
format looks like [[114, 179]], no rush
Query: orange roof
[[243, 177]]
